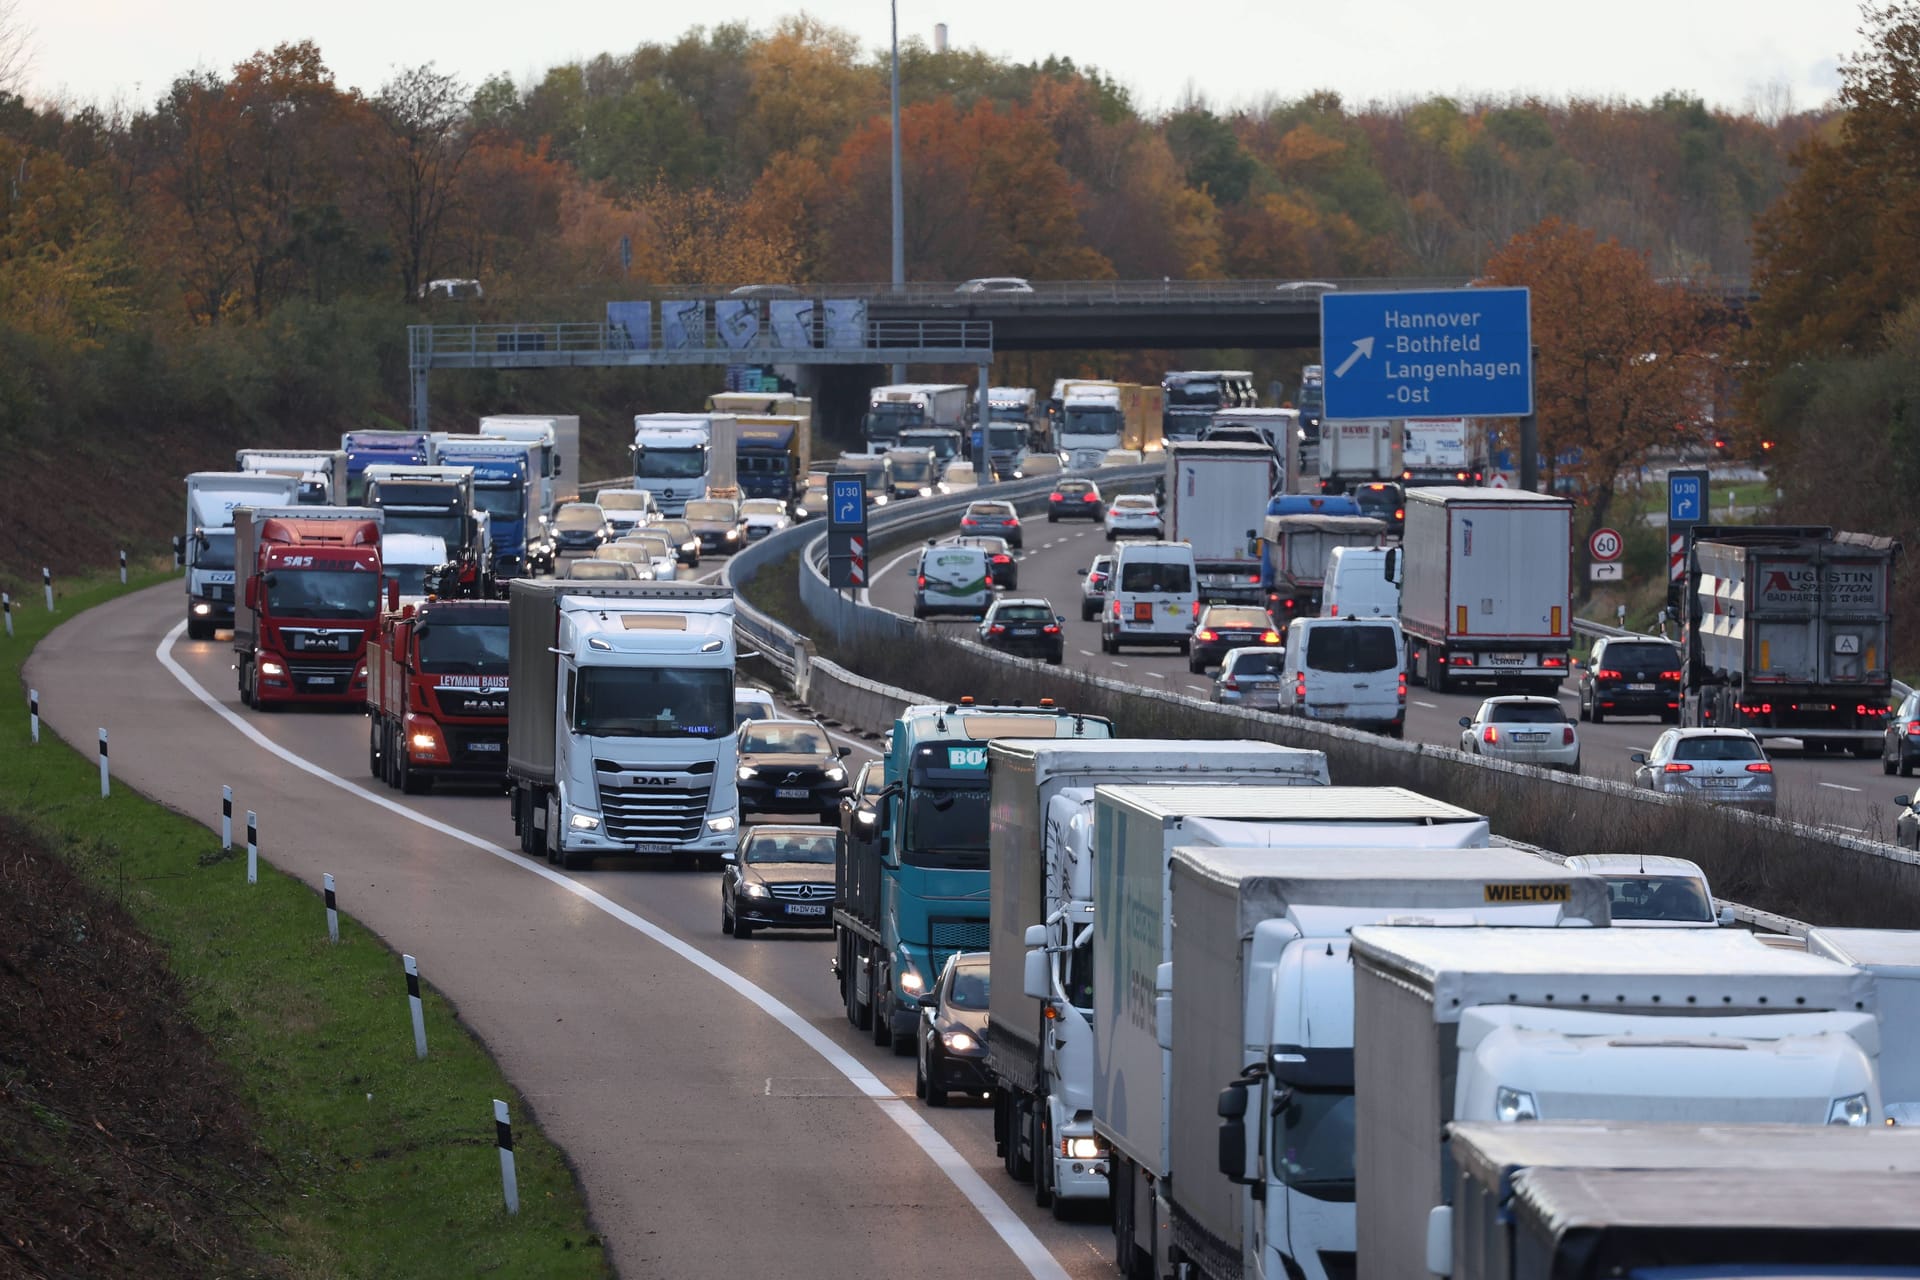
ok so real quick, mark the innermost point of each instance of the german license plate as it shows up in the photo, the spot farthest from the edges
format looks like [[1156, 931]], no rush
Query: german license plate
[[1026, 631], [806, 908], [790, 793], [1507, 659], [652, 846], [321, 679], [1642, 688], [1529, 737], [1720, 782], [483, 746]]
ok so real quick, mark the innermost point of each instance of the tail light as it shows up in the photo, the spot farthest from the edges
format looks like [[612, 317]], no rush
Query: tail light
[[1052, 629], [1400, 513], [1460, 660], [1760, 766], [1553, 662], [1566, 736], [1676, 766], [1089, 497], [1230, 683], [1205, 633], [1669, 675], [1913, 728], [1333, 611], [1607, 673], [1253, 577], [1300, 686], [1116, 609], [1403, 686], [1289, 606], [923, 580], [1269, 637], [1196, 608], [996, 630], [1055, 497], [1490, 734]]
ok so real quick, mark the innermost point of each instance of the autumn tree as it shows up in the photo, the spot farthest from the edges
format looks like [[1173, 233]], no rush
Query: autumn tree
[[423, 141], [15, 51], [1624, 360], [699, 236]]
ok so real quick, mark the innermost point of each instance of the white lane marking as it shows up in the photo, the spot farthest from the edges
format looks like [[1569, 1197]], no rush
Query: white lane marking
[[1086, 653], [1121, 665], [873, 579], [1017, 1236], [1835, 786], [1151, 675], [1431, 706]]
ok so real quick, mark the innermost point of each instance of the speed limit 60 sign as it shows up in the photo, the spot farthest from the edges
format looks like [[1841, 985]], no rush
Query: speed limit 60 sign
[[1605, 544]]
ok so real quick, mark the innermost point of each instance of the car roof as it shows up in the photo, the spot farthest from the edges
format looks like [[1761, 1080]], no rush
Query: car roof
[[1514, 699], [1714, 733], [784, 829], [989, 502], [1136, 500], [787, 722], [970, 959], [1003, 602], [1634, 863], [749, 691], [1265, 650]]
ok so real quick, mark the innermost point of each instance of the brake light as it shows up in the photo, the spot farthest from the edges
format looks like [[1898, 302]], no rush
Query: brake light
[[1230, 683], [1089, 497], [1403, 686], [1052, 629], [1333, 611], [1289, 604], [1490, 734], [1300, 686], [1205, 634], [923, 580], [1399, 513], [1676, 766], [1055, 497], [1269, 637], [1116, 608], [1760, 766], [1002, 558], [1553, 662], [1253, 577], [1566, 736], [1606, 673], [1009, 522], [1196, 608], [1913, 728], [996, 629], [1460, 660]]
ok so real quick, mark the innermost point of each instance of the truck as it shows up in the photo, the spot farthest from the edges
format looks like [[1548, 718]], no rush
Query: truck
[[438, 502], [1097, 417], [1019, 404], [1517, 1025], [892, 409], [437, 695], [1356, 450], [505, 485], [1294, 552], [1789, 633], [309, 603], [764, 404], [380, 449], [1135, 832], [1277, 429], [1040, 1001], [913, 473], [620, 728], [772, 454], [677, 456], [1261, 1007], [322, 472], [1210, 492], [1892, 956], [1442, 451], [205, 550], [916, 891], [1573, 1201], [1194, 396], [1485, 588], [1006, 444], [555, 438]]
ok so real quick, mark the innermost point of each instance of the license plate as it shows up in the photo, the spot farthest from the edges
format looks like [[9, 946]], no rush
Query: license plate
[[1025, 631], [1816, 706], [321, 679], [791, 793], [1720, 782], [1507, 659], [652, 846], [806, 908], [1529, 737], [483, 746], [1642, 688]]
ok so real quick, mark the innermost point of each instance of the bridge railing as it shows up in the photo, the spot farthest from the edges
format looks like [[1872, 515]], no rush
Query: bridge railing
[[429, 345]]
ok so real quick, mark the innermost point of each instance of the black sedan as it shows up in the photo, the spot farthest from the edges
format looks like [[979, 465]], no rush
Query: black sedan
[[1003, 570], [779, 878], [1026, 628], [790, 766], [1221, 627], [953, 1032], [1075, 500], [1627, 676], [1900, 748]]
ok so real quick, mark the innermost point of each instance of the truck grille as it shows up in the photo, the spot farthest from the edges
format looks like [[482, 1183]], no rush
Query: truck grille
[[312, 675], [672, 814], [472, 702], [945, 937], [477, 748]]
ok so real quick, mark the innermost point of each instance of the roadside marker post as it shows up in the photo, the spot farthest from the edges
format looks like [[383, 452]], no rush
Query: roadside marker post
[[103, 764], [123, 568], [503, 1138], [226, 819], [6, 607], [253, 848], [46, 580], [33, 714], [333, 912], [413, 1002]]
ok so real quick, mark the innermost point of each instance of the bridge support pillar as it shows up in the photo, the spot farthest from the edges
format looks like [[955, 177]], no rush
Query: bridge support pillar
[[420, 417]]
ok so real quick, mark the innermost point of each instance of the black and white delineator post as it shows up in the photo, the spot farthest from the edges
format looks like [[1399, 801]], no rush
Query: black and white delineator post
[[46, 580], [33, 714], [413, 1004], [123, 568], [503, 1138], [103, 764], [6, 607], [226, 819], [253, 848], [333, 913]]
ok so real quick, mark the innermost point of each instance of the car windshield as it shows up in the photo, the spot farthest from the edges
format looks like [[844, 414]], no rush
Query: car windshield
[[1525, 713], [990, 511], [1377, 502], [1253, 618], [969, 989], [1131, 503], [708, 509], [599, 570], [501, 501], [464, 648], [323, 593], [1639, 657], [784, 739], [1268, 663], [574, 517], [665, 462], [1166, 577], [444, 525], [1314, 1135], [1717, 748], [1023, 613], [1351, 649], [792, 846], [763, 507], [612, 501], [214, 550], [652, 702], [1660, 898]]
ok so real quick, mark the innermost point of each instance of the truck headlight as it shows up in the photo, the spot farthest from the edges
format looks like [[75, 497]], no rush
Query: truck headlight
[[268, 667], [1851, 1111], [584, 822], [721, 825], [1513, 1105], [959, 1041], [1082, 1148], [911, 982]]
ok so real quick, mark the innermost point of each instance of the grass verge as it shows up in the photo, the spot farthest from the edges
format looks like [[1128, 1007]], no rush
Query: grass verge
[[381, 1165]]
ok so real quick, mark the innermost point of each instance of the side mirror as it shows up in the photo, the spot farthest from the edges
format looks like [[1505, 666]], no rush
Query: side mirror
[[1232, 1109], [1726, 917], [180, 552], [253, 593], [1060, 618], [1466, 722], [1573, 719], [393, 594], [1081, 572], [1904, 802], [1440, 1240], [1036, 975], [730, 857], [844, 752], [929, 1000], [1638, 757]]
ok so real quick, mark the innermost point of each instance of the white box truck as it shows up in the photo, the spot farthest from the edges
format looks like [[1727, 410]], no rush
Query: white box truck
[[556, 436], [1261, 1007], [620, 728], [1136, 829], [1356, 450], [1892, 956], [1040, 1032], [322, 472], [678, 456], [1514, 1025], [205, 551], [1212, 493], [1484, 594]]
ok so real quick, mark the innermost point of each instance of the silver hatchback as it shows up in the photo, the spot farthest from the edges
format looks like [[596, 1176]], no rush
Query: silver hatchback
[[1720, 766], [1251, 677]]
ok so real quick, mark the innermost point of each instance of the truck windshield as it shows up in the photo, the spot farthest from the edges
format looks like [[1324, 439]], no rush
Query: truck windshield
[[501, 501], [1008, 438], [323, 593], [912, 470], [1313, 1135], [463, 648], [1095, 420], [947, 825], [421, 494], [214, 550], [444, 525], [944, 445], [886, 421], [653, 702], [656, 462]]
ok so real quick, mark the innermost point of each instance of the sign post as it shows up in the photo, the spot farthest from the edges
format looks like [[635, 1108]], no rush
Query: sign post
[[847, 531]]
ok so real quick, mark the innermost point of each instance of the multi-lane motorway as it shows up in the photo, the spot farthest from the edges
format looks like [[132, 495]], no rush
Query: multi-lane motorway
[[1831, 790]]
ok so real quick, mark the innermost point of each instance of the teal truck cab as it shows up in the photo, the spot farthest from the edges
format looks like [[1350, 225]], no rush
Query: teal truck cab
[[914, 891]]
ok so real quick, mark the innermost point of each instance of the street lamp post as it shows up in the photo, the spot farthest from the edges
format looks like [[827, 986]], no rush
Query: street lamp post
[[899, 218]]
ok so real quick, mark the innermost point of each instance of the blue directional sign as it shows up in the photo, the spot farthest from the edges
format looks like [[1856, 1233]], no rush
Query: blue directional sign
[[846, 501], [1686, 497], [1439, 353]]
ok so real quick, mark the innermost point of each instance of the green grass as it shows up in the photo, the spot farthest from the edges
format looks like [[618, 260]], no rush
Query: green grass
[[384, 1165]]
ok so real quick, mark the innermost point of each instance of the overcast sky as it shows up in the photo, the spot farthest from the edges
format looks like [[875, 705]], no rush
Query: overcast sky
[[1729, 52]]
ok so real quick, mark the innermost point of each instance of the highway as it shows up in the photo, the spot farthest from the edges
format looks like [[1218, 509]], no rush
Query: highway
[[724, 1117], [1828, 790]]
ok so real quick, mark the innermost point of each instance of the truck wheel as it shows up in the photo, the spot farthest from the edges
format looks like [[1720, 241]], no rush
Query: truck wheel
[[1436, 663], [881, 1005], [1019, 1160], [199, 629], [373, 745], [412, 781], [536, 838], [1042, 1156]]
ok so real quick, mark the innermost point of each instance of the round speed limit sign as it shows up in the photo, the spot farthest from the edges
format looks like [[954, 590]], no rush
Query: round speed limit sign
[[1605, 544]]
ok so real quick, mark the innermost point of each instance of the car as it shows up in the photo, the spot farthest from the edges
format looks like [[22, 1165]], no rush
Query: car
[[632, 552], [1027, 628], [763, 516], [586, 569], [1152, 599], [997, 518], [952, 1051], [750, 703], [1003, 570], [1075, 500], [579, 528], [1906, 828], [1651, 891], [779, 877], [1093, 592], [1720, 766], [814, 501], [1523, 729], [1133, 515], [1383, 500], [790, 766], [1304, 288], [1250, 678], [627, 509], [1221, 627], [1900, 746], [686, 545], [952, 578], [1631, 676], [994, 284], [716, 523], [860, 807], [662, 556]]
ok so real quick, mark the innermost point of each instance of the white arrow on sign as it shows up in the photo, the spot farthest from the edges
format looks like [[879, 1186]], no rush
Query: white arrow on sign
[[1361, 347]]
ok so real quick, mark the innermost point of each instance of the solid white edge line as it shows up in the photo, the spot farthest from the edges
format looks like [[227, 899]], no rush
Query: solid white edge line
[[1006, 1224], [873, 579]]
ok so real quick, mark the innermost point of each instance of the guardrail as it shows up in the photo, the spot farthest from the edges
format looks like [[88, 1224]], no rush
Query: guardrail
[[439, 346]]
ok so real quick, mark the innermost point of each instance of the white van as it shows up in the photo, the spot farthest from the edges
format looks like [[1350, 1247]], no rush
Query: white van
[[1362, 582], [1154, 596], [952, 579], [1347, 670]]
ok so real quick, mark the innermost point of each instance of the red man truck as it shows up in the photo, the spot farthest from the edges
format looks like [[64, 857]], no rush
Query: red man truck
[[308, 603], [437, 695]]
